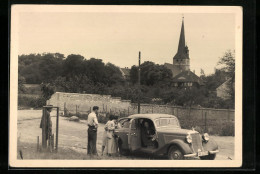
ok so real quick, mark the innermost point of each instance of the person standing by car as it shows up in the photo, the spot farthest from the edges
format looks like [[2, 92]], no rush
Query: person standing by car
[[110, 148], [104, 140], [115, 136], [147, 134], [92, 131]]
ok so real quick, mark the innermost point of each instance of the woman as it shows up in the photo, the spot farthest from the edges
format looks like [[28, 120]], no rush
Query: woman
[[116, 137], [110, 147], [104, 141]]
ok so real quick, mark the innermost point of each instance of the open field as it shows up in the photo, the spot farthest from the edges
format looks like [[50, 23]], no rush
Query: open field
[[73, 139]]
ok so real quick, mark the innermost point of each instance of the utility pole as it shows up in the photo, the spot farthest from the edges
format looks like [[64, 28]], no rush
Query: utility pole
[[139, 82]]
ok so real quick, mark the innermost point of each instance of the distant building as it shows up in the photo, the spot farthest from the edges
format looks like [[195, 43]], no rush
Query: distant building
[[125, 72], [187, 79], [223, 89], [182, 76]]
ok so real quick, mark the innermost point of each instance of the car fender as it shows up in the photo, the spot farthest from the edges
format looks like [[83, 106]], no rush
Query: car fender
[[210, 145], [184, 147]]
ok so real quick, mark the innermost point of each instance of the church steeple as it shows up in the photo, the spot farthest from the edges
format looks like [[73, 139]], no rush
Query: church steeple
[[181, 59], [181, 46], [183, 52]]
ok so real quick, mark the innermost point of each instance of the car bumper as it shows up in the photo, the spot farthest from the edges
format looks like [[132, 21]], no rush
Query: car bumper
[[213, 151], [196, 154]]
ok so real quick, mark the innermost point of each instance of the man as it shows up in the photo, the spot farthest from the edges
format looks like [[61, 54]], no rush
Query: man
[[147, 135], [92, 131], [48, 124]]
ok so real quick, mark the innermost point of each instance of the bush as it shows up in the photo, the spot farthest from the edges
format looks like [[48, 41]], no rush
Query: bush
[[228, 129], [32, 102], [103, 118], [213, 127]]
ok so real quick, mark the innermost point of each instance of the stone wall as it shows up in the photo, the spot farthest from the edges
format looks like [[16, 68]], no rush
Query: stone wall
[[83, 103]]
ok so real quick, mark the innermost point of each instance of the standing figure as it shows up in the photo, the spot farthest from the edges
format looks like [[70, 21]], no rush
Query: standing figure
[[92, 131], [110, 148], [48, 125], [115, 136], [147, 134], [104, 140]]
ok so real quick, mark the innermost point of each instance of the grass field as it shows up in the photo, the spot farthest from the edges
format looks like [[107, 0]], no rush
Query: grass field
[[73, 139]]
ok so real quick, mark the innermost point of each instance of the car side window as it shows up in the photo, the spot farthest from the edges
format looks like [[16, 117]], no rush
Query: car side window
[[124, 123], [133, 124]]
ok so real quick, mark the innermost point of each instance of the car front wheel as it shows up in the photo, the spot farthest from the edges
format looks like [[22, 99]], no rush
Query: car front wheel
[[208, 157], [175, 153]]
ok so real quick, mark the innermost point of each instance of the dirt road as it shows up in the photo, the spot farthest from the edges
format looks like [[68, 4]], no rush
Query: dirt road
[[73, 135]]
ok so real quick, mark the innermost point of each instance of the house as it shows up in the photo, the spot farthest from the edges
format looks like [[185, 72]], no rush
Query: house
[[223, 91], [125, 72], [187, 79], [182, 76]]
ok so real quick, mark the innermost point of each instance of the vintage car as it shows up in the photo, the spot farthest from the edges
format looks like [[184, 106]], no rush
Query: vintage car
[[161, 134]]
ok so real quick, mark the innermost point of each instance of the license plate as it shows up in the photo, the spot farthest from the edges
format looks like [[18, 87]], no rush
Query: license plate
[[204, 153]]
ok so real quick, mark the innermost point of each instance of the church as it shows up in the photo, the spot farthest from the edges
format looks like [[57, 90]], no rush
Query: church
[[182, 76]]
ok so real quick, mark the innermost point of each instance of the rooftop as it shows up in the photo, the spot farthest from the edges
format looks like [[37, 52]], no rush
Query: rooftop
[[151, 116], [188, 76]]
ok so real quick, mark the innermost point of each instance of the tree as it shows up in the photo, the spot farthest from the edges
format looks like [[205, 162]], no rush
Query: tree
[[151, 74], [228, 65], [228, 62], [113, 75], [38, 68], [21, 82], [77, 84], [134, 74], [47, 90], [73, 65]]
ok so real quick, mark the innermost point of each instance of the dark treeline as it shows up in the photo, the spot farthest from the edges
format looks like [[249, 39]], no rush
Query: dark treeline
[[74, 73]]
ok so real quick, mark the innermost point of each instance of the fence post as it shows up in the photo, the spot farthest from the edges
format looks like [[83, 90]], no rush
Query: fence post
[[64, 107], [205, 130], [38, 143], [57, 129], [228, 115], [44, 142], [76, 110], [128, 111]]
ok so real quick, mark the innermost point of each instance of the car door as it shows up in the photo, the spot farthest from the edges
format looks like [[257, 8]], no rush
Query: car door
[[123, 132], [134, 136]]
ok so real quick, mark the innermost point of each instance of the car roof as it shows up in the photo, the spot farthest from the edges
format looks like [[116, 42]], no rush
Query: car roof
[[151, 116]]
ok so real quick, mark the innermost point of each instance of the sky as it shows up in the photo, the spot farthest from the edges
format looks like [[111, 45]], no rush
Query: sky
[[118, 37]]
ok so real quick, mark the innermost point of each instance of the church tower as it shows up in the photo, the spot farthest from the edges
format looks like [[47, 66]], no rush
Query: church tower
[[181, 60]]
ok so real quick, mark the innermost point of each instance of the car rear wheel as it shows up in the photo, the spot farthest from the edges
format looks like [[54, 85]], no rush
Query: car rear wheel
[[208, 157], [175, 153]]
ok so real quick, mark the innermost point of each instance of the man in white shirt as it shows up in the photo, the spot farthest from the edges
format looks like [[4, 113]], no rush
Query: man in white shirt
[[92, 131]]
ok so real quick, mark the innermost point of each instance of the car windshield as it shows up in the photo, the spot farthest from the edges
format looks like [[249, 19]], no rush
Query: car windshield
[[165, 122]]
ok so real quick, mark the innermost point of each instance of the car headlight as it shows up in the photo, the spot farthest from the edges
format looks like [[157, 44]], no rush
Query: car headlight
[[205, 137], [188, 139]]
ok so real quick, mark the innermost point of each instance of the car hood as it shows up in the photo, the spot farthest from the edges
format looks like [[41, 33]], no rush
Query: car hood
[[175, 131]]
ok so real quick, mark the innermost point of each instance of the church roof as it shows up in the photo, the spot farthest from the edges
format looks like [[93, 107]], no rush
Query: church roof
[[175, 69], [188, 76], [182, 52]]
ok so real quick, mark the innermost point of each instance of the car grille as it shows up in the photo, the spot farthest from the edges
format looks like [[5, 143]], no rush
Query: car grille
[[196, 142]]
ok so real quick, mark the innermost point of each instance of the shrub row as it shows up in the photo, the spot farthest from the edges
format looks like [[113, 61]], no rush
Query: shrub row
[[212, 127], [32, 102]]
